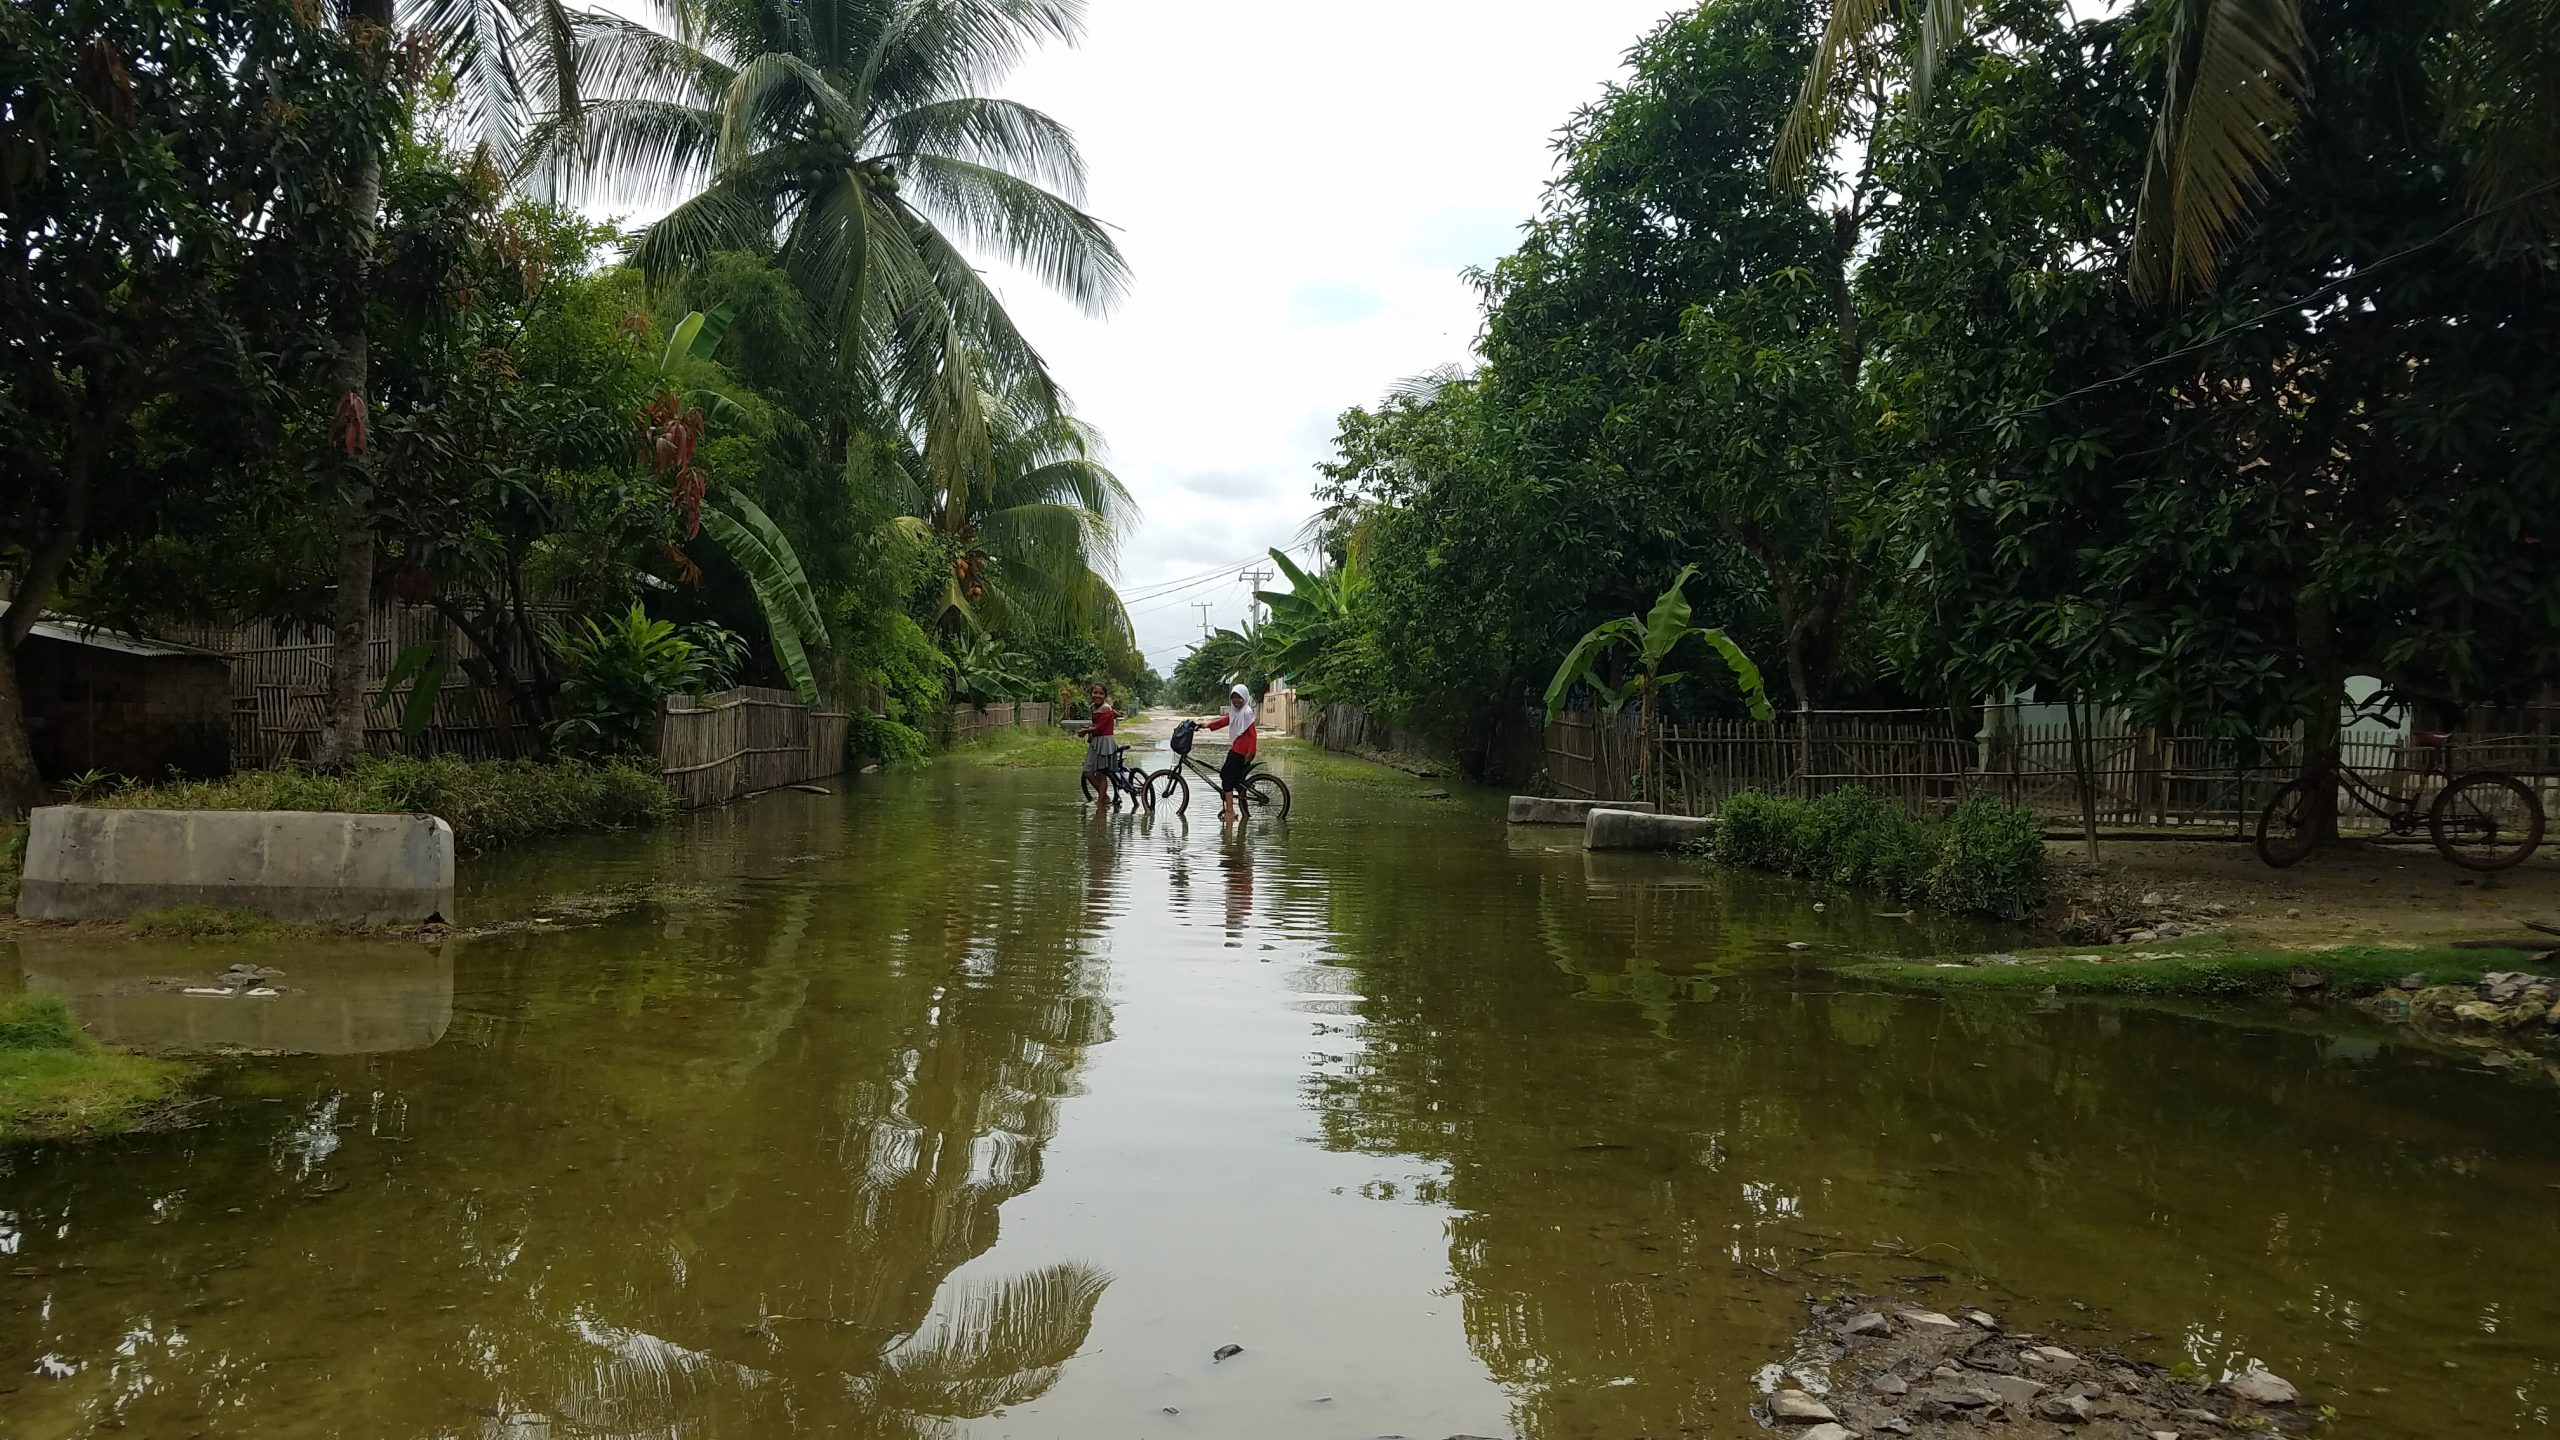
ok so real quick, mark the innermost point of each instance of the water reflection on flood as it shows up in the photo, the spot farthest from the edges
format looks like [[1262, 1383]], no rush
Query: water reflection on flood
[[320, 997], [946, 1108]]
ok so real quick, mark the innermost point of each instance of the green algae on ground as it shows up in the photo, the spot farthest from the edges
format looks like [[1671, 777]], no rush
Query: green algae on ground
[[58, 1084], [2205, 967]]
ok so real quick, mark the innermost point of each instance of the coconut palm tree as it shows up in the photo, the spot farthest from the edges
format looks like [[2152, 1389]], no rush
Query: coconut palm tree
[[850, 138], [2237, 75], [1030, 529]]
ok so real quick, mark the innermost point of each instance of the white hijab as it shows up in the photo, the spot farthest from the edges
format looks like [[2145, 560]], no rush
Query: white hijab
[[1239, 710]]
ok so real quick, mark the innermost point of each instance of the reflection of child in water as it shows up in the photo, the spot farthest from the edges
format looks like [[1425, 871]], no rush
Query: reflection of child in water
[[1238, 863]]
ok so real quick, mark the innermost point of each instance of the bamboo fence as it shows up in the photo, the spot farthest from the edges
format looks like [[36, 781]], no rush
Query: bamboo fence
[[280, 687], [2133, 778], [973, 722], [715, 748]]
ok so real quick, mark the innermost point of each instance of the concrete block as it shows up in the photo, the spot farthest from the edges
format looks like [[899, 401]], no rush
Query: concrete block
[[1547, 810], [1607, 829], [315, 867]]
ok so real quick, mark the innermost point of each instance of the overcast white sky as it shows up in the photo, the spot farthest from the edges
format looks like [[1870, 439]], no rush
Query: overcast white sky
[[1298, 190]]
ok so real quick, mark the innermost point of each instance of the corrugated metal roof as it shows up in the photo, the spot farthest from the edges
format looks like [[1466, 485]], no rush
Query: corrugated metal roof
[[72, 631]]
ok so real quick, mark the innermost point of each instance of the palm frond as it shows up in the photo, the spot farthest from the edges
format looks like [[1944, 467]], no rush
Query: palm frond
[[1011, 219], [2238, 71], [1001, 134], [1854, 25], [770, 95], [734, 212], [954, 47], [622, 150]]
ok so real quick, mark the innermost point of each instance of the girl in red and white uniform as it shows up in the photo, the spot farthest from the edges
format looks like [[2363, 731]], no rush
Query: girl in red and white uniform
[[1242, 739]]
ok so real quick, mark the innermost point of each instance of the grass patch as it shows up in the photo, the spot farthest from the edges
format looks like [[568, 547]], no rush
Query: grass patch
[[1334, 765], [489, 803], [2352, 970], [1022, 746], [204, 922], [58, 1084]]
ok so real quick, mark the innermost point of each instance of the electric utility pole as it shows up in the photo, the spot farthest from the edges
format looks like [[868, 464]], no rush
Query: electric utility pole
[[1203, 607], [1253, 580]]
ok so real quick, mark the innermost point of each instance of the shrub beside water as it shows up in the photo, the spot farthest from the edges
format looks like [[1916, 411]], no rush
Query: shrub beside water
[[1985, 858], [489, 803]]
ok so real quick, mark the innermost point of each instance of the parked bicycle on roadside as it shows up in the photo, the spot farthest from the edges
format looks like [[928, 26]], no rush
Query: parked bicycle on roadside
[[2480, 820]]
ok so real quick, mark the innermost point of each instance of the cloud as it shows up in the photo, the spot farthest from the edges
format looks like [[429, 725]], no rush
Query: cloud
[[1297, 201]]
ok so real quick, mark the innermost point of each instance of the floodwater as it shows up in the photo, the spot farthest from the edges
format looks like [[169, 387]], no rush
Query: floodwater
[[943, 1108]]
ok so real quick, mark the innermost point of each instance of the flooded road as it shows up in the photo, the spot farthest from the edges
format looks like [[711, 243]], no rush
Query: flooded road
[[944, 1108]]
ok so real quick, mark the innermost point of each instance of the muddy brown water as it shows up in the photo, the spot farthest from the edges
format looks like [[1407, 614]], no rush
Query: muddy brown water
[[943, 1108]]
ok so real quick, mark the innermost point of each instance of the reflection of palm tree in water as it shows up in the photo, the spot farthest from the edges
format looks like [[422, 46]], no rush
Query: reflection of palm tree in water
[[841, 1209]]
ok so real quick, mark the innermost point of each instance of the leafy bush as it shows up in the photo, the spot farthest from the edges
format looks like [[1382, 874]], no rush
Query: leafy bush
[[489, 803], [877, 737], [1987, 858], [617, 674], [1990, 860]]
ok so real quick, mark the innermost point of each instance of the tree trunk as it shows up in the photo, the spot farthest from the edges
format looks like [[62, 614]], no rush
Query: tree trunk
[[2315, 636], [2084, 770], [20, 786], [368, 28]]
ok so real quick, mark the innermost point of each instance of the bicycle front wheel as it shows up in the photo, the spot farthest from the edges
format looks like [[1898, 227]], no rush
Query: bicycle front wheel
[[2486, 821], [1270, 792], [1170, 789], [2289, 828]]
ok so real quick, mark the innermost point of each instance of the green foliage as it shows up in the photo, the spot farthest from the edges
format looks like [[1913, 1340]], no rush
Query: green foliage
[[1652, 641], [983, 669], [772, 568], [877, 737], [616, 676], [489, 803], [1990, 859], [1986, 858]]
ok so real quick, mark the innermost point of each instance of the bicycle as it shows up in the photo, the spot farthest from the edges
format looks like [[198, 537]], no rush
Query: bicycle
[[1260, 786], [2481, 819], [1135, 784]]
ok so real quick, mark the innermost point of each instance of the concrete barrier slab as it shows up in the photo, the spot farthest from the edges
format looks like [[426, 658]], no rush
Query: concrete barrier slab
[[1608, 829], [1548, 810], [315, 867]]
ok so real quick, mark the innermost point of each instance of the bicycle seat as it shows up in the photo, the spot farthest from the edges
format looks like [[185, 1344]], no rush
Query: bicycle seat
[[1119, 750], [2431, 739]]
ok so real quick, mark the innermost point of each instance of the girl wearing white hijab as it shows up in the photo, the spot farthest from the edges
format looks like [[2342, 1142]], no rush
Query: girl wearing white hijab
[[1242, 740]]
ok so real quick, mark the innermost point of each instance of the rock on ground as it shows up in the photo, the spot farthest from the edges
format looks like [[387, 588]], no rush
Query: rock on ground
[[1928, 1377]]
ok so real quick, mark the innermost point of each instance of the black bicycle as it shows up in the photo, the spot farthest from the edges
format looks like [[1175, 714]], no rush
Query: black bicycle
[[2480, 820], [1260, 786], [1137, 785]]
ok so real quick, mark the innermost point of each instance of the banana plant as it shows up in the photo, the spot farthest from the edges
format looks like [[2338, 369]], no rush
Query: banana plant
[[764, 555], [1652, 639]]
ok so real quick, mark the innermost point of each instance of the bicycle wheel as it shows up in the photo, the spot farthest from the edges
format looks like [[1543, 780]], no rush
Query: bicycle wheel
[[1140, 789], [1269, 791], [2288, 828], [1171, 789], [2486, 821]]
